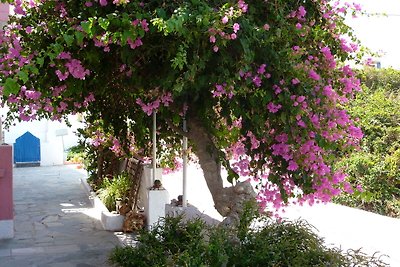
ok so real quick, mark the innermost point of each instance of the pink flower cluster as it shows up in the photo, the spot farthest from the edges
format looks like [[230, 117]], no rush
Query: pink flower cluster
[[232, 31], [222, 90], [256, 78], [105, 2], [149, 108], [73, 67], [99, 138], [273, 108]]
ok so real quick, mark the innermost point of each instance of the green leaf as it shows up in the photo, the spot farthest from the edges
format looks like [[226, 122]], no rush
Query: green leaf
[[127, 34], [104, 23], [87, 26], [79, 37], [40, 61], [232, 176], [10, 87], [180, 60], [176, 118], [69, 39], [57, 48], [161, 13], [33, 69], [178, 87], [23, 76]]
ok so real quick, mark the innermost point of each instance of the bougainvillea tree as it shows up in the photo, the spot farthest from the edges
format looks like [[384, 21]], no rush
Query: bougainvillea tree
[[260, 84]]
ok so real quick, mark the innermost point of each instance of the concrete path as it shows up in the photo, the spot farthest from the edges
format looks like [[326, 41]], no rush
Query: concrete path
[[53, 222]]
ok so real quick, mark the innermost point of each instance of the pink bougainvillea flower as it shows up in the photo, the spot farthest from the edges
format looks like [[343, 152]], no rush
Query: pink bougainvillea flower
[[302, 12], [236, 27], [313, 75], [273, 108], [212, 39], [292, 166], [28, 29], [76, 69], [295, 81], [62, 76]]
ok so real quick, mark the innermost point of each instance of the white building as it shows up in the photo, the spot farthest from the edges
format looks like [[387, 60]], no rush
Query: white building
[[55, 137]]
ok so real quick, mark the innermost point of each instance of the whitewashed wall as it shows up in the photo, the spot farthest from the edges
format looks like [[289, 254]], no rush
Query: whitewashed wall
[[51, 145]]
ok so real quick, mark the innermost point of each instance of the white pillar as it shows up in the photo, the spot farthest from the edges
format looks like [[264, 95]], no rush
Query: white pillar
[[184, 169], [1, 133], [154, 162]]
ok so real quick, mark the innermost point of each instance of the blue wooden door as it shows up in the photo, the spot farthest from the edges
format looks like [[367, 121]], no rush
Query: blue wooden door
[[27, 149]]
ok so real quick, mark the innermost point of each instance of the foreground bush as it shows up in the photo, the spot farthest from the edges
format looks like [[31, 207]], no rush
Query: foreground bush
[[192, 243]]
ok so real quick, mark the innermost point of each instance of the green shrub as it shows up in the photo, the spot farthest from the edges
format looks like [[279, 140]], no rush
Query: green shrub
[[373, 78], [380, 192], [76, 154], [111, 189], [174, 242], [376, 167]]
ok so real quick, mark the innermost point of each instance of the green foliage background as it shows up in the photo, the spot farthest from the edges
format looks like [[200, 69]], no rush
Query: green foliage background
[[376, 166]]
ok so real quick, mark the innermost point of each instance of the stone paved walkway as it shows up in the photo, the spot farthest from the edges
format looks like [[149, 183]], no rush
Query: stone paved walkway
[[54, 225]]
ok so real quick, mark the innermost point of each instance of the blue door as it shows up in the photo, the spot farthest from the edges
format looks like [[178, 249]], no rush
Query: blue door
[[27, 149]]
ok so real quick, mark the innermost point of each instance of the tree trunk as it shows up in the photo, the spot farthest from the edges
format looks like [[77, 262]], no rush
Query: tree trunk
[[228, 201]]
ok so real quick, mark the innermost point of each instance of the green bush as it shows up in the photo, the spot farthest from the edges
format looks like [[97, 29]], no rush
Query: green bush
[[76, 154], [111, 189], [377, 176], [376, 167], [373, 78], [174, 242]]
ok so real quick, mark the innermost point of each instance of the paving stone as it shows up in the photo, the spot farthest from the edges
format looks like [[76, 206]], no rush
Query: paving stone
[[62, 249], [64, 264], [39, 226], [26, 251], [5, 252], [50, 218], [54, 224]]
